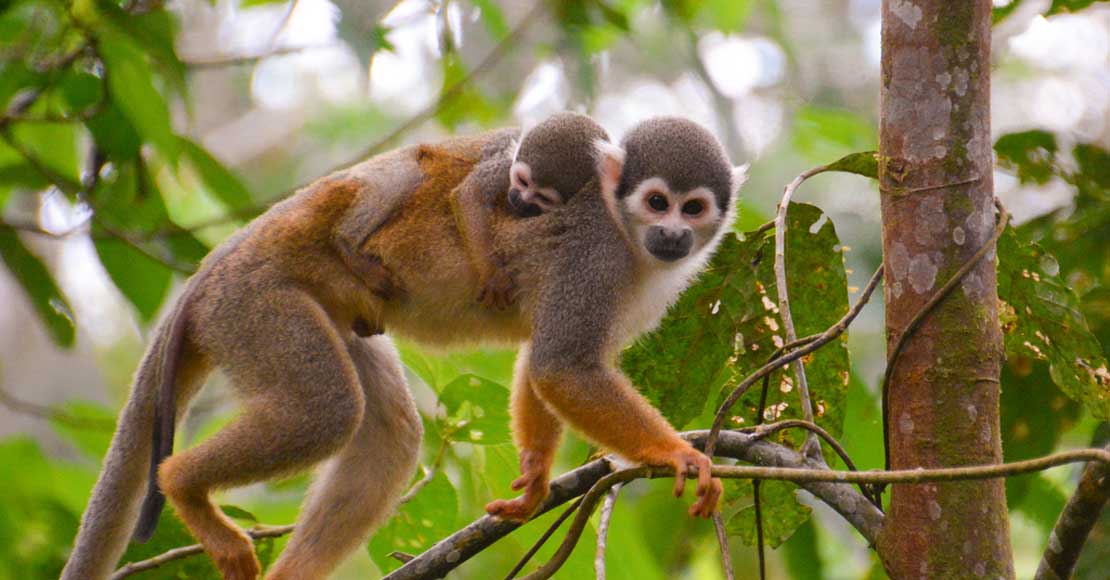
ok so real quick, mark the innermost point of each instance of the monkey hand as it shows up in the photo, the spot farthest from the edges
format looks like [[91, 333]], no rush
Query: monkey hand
[[498, 287], [533, 480], [685, 461]]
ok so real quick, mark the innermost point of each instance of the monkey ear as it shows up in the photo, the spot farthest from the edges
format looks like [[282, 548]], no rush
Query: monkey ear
[[739, 176], [610, 164]]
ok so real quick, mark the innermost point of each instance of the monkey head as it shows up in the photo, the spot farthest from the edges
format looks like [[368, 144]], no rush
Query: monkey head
[[553, 161], [671, 185]]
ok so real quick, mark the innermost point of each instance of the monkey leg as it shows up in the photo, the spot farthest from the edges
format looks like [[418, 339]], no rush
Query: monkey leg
[[113, 508], [355, 491], [536, 432], [302, 401]]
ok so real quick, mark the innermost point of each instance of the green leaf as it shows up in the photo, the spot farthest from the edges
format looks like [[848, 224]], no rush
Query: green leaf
[[821, 134], [1034, 414], [1059, 6], [727, 325], [865, 163], [803, 560], [253, 3], [170, 534], [114, 134], [131, 85], [91, 441], [477, 410], [1041, 320], [54, 146], [464, 103], [425, 520], [1031, 153], [219, 179], [40, 287], [37, 520], [154, 31], [143, 281], [782, 514], [238, 513]]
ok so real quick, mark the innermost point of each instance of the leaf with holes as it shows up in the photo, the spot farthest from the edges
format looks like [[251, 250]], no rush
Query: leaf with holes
[[477, 410], [1041, 319], [425, 520], [727, 325]]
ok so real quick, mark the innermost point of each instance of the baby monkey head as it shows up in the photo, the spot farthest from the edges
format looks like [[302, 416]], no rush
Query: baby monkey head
[[675, 188], [555, 159]]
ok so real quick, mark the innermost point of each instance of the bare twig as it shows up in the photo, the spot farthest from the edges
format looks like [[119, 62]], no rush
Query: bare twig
[[255, 533], [51, 413], [243, 59], [429, 474], [603, 531], [544, 537], [926, 308], [722, 543], [138, 246], [824, 338], [1079, 516], [811, 447]]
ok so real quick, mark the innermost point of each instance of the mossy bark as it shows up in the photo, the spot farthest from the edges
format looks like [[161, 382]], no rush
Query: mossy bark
[[937, 209]]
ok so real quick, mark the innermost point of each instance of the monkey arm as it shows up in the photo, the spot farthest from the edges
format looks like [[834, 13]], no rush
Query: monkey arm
[[472, 204], [536, 432]]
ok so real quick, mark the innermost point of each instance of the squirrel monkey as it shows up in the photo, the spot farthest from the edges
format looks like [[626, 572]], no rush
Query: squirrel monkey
[[551, 162], [274, 308]]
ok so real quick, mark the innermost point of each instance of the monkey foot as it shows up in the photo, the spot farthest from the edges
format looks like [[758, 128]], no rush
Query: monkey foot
[[515, 510]]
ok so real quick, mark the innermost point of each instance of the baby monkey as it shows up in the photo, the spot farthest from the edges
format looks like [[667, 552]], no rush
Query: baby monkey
[[552, 161]]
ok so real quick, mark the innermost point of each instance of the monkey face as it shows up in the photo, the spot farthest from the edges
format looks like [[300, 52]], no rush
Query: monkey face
[[525, 191], [668, 224]]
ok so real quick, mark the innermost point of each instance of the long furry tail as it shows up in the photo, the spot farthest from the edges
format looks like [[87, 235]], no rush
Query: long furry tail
[[164, 422], [113, 508]]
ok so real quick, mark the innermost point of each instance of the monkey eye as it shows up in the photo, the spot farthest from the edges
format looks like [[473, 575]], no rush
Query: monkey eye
[[658, 202], [693, 208]]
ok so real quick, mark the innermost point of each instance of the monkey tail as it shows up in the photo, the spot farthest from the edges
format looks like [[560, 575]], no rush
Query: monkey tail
[[165, 420], [111, 513]]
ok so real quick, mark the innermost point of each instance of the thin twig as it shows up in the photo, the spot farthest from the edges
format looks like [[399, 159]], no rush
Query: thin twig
[[722, 543], [429, 474], [944, 474], [603, 530], [1075, 522], [138, 246], [811, 447], [921, 314], [244, 59], [757, 505], [544, 537], [55, 414], [827, 336], [255, 533]]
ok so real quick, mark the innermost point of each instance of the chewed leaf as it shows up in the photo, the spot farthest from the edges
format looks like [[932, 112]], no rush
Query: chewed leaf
[[426, 519], [1042, 320], [477, 410]]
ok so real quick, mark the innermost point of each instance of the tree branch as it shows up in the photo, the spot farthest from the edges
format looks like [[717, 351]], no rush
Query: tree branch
[[1075, 522], [603, 531], [811, 447]]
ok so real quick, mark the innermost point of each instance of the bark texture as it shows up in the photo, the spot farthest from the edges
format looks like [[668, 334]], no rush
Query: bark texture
[[937, 210]]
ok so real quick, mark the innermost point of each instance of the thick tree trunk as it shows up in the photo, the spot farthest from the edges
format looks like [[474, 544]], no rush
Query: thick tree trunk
[[937, 210]]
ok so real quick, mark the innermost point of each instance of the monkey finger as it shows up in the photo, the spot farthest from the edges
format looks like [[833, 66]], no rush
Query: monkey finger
[[705, 477], [521, 482], [679, 478]]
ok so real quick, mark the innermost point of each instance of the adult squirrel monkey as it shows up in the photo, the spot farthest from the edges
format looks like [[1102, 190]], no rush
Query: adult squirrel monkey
[[275, 308]]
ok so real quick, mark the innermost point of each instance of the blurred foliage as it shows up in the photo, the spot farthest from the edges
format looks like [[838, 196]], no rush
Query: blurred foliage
[[94, 97]]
